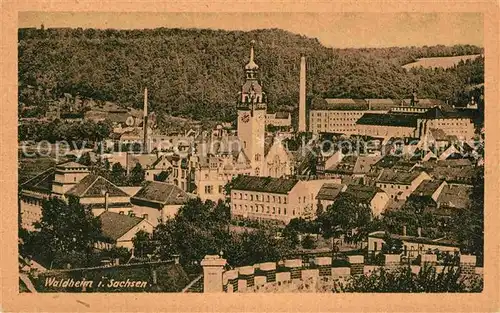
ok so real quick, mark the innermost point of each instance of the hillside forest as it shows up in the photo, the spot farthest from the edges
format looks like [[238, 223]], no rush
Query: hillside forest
[[197, 73]]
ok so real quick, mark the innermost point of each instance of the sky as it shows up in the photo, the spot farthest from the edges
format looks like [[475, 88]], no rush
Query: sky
[[339, 30]]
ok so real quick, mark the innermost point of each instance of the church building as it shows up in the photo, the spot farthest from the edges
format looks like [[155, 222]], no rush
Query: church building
[[267, 157]]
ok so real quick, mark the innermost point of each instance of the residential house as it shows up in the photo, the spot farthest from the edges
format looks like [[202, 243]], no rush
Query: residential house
[[157, 202], [373, 197], [69, 179], [118, 230], [400, 184], [280, 199], [413, 246], [328, 193]]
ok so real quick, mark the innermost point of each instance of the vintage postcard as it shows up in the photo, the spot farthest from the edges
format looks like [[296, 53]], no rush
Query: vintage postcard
[[189, 158]]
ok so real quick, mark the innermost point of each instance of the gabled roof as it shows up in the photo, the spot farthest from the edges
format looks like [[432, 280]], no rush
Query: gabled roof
[[146, 160], [382, 104], [427, 188], [401, 120], [455, 196], [397, 177], [264, 184], [459, 175], [115, 225], [159, 192], [340, 104], [329, 191], [71, 164], [95, 186], [346, 166], [454, 163], [387, 161], [41, 182], [362, 193], [282, 115], [364, 163]]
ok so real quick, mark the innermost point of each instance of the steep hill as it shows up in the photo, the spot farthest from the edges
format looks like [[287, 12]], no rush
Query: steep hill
[[198, 73]]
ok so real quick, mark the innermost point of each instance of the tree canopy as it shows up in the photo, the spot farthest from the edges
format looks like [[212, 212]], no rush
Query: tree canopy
[[197, 73]]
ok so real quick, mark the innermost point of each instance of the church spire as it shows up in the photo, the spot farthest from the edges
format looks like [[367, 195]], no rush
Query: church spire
[[251, 66]]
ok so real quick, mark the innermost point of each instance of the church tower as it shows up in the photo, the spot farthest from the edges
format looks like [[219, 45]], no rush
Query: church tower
[[252, 109]]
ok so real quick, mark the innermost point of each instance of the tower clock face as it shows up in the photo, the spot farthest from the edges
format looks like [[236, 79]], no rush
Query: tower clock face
[[245, 117]]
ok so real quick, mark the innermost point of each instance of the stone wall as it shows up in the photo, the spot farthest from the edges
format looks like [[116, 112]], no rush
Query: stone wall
[[292, 276]]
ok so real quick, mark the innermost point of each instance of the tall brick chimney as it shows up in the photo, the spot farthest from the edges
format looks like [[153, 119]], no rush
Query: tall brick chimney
[[302, 95]]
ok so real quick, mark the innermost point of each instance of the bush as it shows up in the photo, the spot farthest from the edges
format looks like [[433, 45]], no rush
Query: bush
[[340, 263], [308, 242]]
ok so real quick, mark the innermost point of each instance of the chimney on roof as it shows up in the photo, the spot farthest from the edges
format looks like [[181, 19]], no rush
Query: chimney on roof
[[419, 231]]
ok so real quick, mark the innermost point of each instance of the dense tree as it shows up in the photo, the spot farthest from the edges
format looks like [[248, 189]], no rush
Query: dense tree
[[197, 73], [118, 173], [345, 217], [413, 216], [404, 280], [66, 232], [58, 130], [467, 226], [136, 175], [142, 244]]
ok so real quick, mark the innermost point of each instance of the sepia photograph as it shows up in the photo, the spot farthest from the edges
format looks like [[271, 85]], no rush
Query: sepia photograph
[[187, 152]]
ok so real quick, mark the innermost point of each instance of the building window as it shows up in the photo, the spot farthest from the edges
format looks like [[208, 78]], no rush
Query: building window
[[221, 189], [209, 189], [251, 197], [284, 211], [279, 210]]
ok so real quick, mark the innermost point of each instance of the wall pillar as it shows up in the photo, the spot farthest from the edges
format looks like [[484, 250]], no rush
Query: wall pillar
[[269, 269], [294, 266], [232, 280], [248, 273], [357, 264], [324, 265], [212, 273], [467, 264], [392, 261], [428, 259]]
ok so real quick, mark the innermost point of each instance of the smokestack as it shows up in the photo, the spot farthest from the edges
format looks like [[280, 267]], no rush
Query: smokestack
[[145, 121], [302, 95], [106, 201]]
